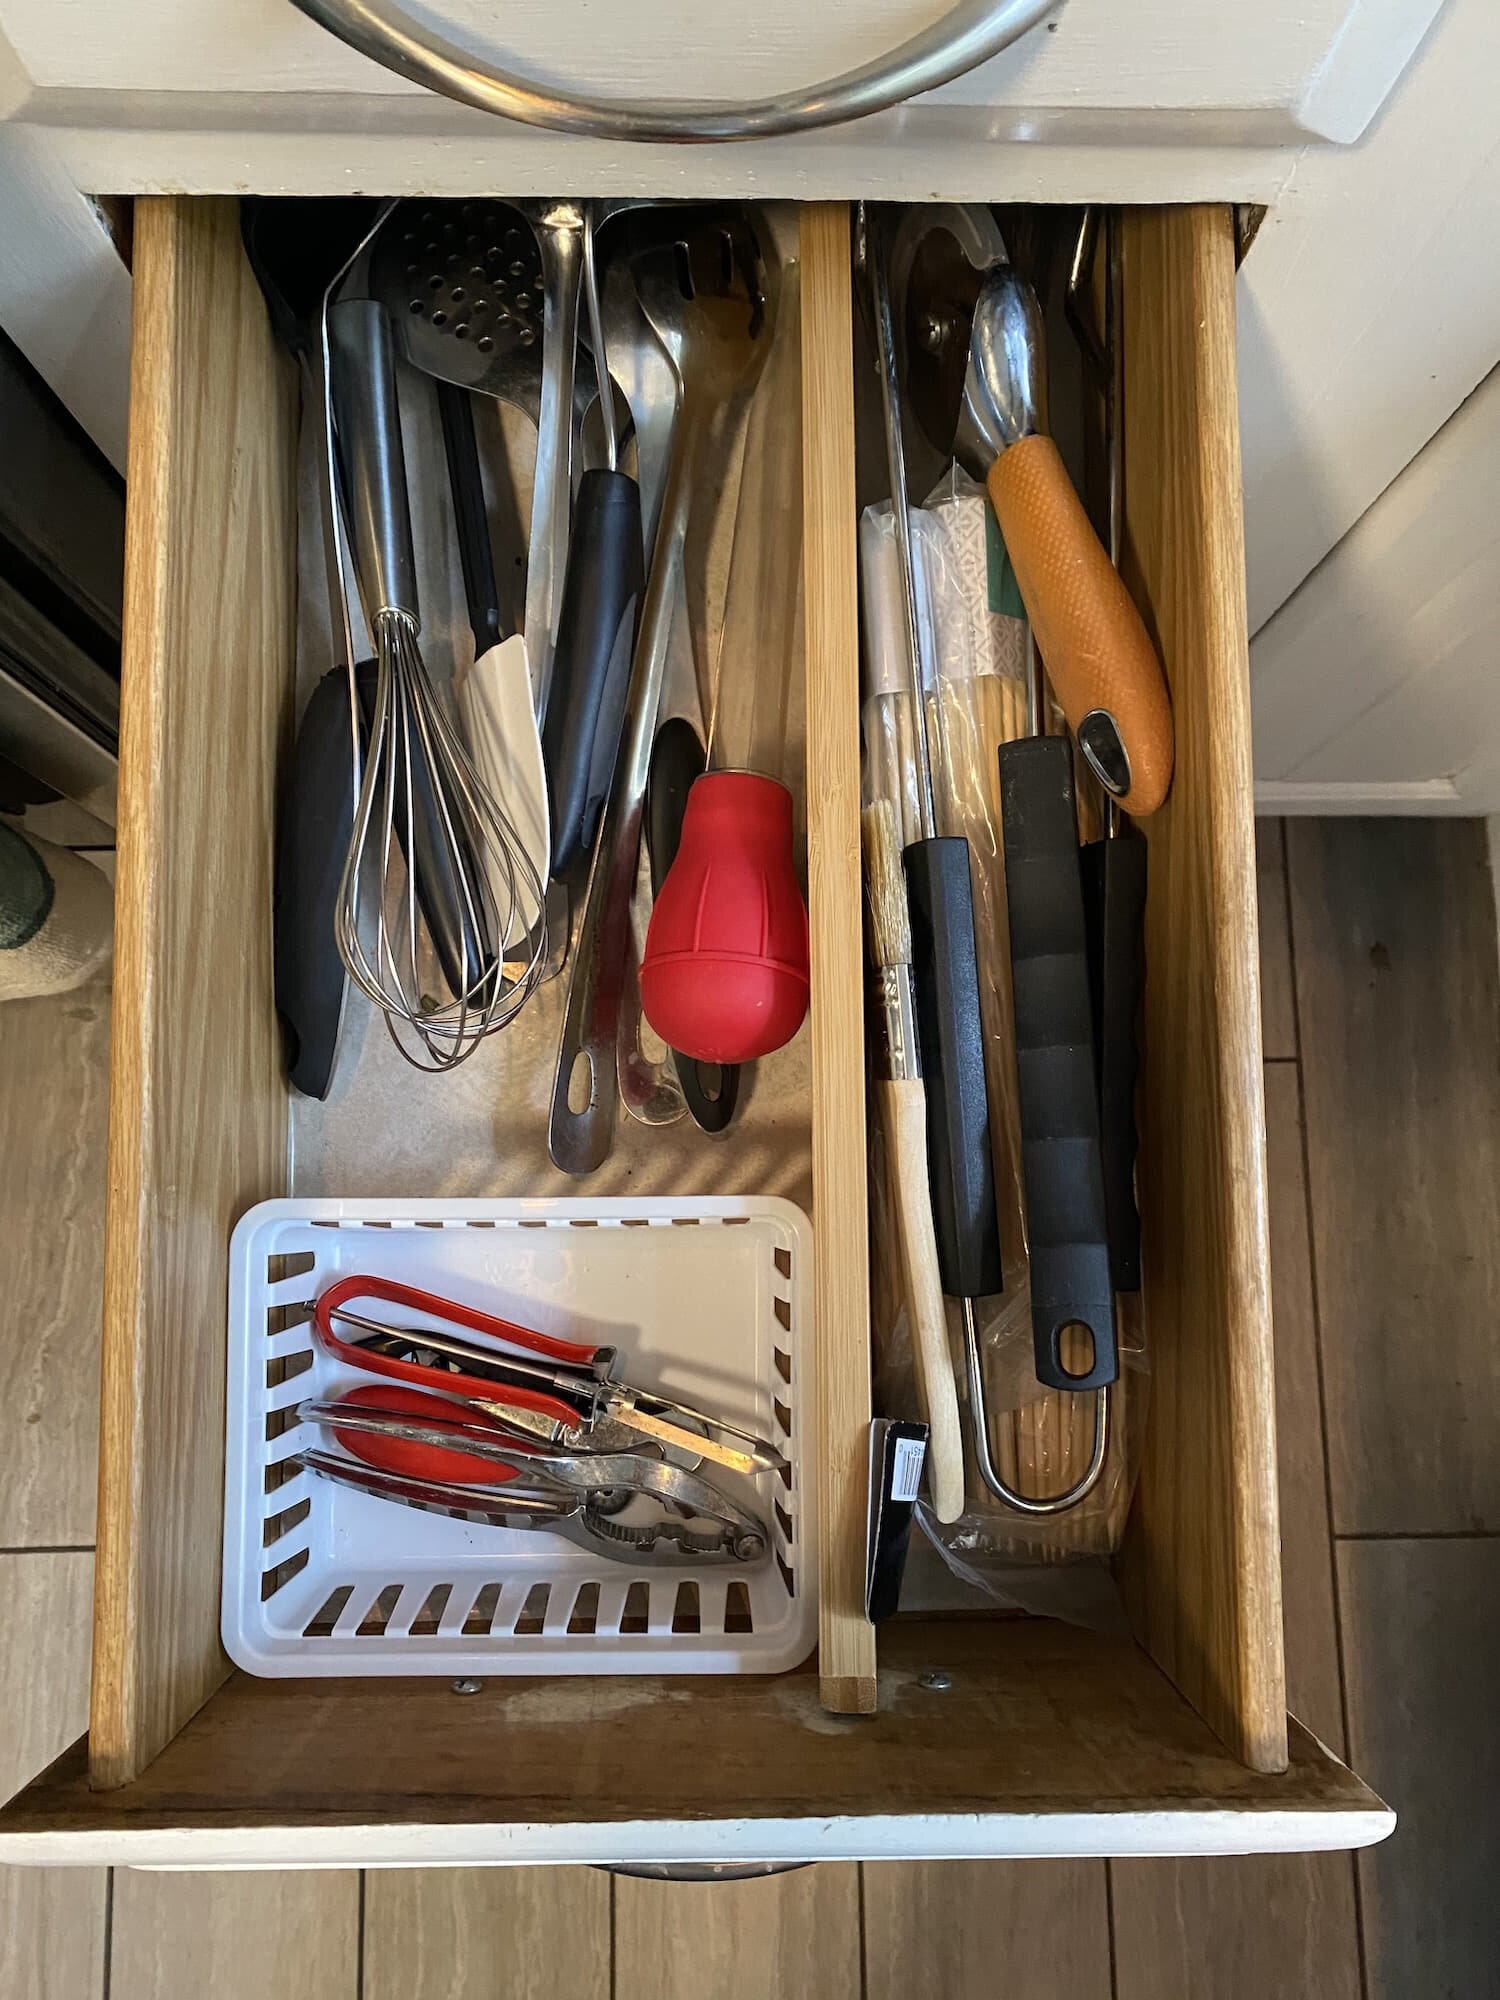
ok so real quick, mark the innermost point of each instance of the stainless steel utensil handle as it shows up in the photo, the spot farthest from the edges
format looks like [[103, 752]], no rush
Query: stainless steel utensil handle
[[579, 1141], [552, 492], [959, 41], [367, 425]]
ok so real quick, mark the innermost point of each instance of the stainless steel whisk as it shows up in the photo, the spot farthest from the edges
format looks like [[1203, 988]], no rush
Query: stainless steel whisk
[[437, 907]]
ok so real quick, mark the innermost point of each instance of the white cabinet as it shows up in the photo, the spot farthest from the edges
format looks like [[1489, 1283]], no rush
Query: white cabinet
[[1151, 100]]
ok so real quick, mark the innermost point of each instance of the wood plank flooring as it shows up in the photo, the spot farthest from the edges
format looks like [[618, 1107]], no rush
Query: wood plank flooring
[[1398, 994], [1382, 1043]]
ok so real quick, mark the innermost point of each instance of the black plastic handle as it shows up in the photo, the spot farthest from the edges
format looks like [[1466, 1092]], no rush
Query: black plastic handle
[[463, 954], [596, 631], [710, 1090], [945, 974], [1057, 1089], [461, 447], [313, 823], [1114, 901]]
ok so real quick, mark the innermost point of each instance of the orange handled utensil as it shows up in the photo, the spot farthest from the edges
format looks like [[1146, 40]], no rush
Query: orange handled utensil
[[1100, 660]]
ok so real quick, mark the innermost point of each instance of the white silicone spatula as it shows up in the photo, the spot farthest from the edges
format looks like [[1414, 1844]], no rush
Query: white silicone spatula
[[495, 700]]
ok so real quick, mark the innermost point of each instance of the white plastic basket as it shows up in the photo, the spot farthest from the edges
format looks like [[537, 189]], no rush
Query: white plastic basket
[[707, 1300]]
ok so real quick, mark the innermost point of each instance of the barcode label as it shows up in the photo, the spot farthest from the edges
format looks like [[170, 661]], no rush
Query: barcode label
[[906, 1468]]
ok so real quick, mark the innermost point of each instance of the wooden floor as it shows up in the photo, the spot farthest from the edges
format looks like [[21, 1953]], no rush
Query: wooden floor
[[1382, 1045]]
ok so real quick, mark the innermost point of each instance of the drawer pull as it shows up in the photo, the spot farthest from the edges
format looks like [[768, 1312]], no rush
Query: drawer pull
[[963, 38]]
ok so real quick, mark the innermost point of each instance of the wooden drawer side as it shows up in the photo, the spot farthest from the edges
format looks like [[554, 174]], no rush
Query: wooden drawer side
[[1202, 1566], [197, 1107], [846, 1642]]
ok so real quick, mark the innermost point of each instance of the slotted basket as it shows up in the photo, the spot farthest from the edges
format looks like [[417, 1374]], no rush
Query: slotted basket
[[707, 1301]]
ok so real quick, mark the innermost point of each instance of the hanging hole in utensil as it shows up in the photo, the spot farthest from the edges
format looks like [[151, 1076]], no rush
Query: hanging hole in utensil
[[323, 1620], [686, 1616], [584, 1616], [1075, 1349], [482, 1611], [534, 1610], [1104, 751], [375, 1620], [581, 1083], [636, 1617], [737, 1615], [429, 1616]]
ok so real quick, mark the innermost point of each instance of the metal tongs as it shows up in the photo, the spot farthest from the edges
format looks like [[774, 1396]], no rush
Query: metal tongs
[[569, 1397], [401, 1450]]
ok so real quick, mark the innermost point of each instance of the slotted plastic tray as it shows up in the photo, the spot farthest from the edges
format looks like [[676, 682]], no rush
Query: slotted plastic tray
[[707, 1299]]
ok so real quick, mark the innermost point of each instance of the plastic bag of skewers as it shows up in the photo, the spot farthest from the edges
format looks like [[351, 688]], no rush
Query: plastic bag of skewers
[[973, 640]]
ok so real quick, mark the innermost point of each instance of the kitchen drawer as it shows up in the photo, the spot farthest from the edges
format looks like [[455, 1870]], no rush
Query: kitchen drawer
[[989, 1735]]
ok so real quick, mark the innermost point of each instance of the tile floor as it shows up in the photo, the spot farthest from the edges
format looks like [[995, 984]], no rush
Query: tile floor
[[1382, 1043]]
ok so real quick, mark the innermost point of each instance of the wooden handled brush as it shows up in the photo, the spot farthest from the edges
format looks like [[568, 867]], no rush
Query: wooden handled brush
[[903, 1110]]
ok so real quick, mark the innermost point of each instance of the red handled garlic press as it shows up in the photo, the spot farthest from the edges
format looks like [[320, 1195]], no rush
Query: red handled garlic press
[[558, 1392]]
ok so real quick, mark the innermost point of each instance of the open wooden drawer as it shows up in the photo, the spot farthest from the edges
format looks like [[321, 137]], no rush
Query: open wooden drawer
[[1034, 1737]]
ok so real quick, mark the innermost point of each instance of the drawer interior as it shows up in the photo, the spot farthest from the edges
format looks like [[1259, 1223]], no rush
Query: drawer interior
[[1040, 1716]]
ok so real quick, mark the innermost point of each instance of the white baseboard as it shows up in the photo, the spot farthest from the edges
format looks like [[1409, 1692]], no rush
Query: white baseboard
[[1419, 797]]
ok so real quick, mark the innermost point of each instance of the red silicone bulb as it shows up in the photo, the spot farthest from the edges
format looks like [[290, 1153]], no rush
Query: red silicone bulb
[[724, 972]]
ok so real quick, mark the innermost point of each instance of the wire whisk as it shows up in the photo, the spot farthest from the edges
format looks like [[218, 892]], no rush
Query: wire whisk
[[440, 915], [436, 876]]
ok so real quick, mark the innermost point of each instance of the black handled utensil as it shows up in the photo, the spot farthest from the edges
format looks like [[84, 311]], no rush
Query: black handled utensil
[[1114, 901], [1114, 869], [601, 603], [1056, 1077], [709, 1090], [312, 838], [466, 481], [600, 612]]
